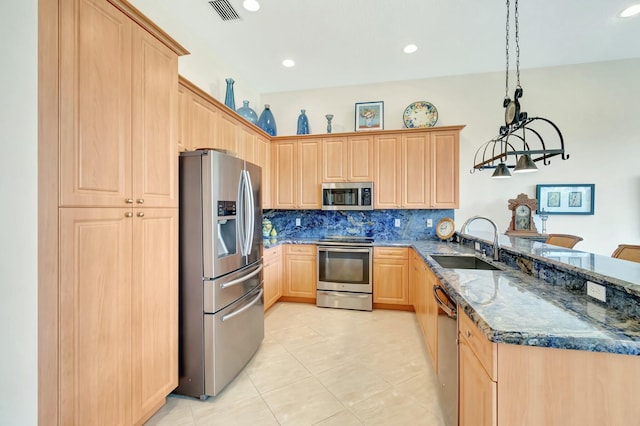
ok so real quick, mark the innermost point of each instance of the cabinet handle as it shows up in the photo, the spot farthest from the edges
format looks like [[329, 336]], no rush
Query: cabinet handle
[[140, 201], [128, 214], [141, 214], [129, 201], [468, 334]]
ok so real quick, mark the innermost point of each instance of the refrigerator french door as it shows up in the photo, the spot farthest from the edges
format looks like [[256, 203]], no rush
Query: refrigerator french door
[[221, 308]]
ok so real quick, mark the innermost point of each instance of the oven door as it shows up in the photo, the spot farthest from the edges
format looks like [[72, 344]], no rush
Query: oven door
[[345, 269]]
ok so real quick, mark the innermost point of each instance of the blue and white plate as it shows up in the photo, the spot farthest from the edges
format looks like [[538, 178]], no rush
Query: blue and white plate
[[420, 114]]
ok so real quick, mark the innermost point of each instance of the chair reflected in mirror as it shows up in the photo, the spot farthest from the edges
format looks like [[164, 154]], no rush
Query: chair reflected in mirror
[[627, 252], [563, 240]]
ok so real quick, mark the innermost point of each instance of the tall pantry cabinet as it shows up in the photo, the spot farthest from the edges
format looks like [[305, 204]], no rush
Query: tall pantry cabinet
[[115, 244]]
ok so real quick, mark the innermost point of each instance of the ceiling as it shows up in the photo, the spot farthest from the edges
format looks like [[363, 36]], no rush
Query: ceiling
[[350, 42]]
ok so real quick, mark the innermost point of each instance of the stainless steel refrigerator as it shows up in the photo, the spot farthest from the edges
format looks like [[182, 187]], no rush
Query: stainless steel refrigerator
[[221, 309]]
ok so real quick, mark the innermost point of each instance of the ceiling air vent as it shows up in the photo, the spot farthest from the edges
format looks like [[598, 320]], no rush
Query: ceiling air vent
[[225, 10]]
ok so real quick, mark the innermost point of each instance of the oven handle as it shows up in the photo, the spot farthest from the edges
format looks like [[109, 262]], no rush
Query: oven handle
[[451, 311], [344, 250], [351, 295]]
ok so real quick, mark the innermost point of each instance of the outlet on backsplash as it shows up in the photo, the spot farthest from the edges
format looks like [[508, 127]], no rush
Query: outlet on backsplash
[[429, 223], [397, 223], [298, 221]]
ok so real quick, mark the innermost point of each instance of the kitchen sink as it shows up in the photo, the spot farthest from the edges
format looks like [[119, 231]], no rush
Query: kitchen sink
[[462, 262]]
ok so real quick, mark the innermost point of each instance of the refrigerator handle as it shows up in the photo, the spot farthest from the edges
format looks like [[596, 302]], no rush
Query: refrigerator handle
[[241, 227], [252, 213], [239, 311], [241, 279]]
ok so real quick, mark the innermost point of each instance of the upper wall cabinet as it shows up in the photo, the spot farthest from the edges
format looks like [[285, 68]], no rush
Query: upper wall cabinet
[[417, 170], [118, 103], [347, 159], [297, 174]]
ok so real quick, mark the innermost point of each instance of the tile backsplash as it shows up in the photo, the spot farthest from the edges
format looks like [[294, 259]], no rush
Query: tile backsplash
[[380, 224]]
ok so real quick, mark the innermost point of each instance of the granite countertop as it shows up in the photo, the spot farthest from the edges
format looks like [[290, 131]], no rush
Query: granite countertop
[[510, 306]]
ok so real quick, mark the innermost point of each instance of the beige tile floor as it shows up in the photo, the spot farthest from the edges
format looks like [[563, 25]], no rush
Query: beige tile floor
[[319, 366]]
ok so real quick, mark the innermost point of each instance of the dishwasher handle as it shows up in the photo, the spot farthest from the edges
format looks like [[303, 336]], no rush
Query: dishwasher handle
[[450, 310]]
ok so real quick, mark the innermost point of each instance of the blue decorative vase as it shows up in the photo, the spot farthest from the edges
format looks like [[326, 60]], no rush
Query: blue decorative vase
[[303, 123], [247, 113], [329, 118], [229, 99], [267, 122]]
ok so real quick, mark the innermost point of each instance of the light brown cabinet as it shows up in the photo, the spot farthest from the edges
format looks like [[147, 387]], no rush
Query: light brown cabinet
[[300, 271], [477, 380], [272, 276], [347, 159], [112, 208], [297, 166], [422, 281], [391, 275], [417, 170]]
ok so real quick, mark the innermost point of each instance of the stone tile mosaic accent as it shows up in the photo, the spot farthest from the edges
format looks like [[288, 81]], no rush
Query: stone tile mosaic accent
[[374, 223]]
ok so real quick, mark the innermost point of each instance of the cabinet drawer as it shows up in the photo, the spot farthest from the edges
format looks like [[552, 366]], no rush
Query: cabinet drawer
[[391, 252], [480, 345], [306, 249], [271, 255]]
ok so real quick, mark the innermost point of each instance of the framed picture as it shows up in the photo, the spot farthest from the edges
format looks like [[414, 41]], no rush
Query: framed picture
[[565, 199], [369, 116]]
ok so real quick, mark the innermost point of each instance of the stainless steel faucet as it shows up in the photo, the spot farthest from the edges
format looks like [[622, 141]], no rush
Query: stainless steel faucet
[[496, 243]]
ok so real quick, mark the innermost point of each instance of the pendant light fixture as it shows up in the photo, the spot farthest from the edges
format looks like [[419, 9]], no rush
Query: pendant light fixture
[[521, 155]]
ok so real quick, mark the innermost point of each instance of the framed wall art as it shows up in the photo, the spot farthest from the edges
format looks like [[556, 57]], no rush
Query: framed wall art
[[565, 199], [369, 116]]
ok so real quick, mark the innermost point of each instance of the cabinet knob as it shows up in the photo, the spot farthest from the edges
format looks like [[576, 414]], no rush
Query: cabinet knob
[[128, 214], [129, 201], [140, 201], [141, 214]]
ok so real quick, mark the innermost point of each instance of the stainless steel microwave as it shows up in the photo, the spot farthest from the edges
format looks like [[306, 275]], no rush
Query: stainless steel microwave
[[347, 196]]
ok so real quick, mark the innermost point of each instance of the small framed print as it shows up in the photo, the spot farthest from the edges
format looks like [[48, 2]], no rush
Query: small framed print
[[566, 199], [369, 116]]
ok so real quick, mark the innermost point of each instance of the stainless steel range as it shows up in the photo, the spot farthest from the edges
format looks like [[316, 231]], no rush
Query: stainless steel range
[[345, 266]]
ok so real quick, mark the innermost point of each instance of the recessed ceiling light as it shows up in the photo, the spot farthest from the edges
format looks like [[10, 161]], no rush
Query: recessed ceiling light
[[630, 11], [251, 5], [288, 63], [410, 48]]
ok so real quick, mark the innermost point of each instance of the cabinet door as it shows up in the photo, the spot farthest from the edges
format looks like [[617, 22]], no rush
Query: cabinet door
[[284, 175], [445, 170], [360, 155], [431, 316], [387, 169], [203, 121], [477, 392], [154, 293], [247, 145], [390, 281], [95, 104], [416, 158], [272, 274], [310, 174], [300, 272], [227, 134], [95, 316], [263, 159], [154, 122], [334, 156]]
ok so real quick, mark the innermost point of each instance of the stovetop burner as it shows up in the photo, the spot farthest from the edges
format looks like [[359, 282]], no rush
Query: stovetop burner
[[347, 240]]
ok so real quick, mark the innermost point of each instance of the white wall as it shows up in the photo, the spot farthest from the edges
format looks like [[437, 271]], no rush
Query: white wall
[[596, 106], [18, 215]]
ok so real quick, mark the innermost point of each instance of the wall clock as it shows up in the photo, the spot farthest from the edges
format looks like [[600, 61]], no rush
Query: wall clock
[[445, 228], [522, 208]]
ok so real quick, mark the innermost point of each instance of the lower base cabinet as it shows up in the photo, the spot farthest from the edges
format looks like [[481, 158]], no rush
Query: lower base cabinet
[[272, 276], [391, 275], [299, 280]]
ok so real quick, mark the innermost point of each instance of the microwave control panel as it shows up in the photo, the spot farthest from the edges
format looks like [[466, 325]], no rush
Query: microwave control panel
[[366, 197]]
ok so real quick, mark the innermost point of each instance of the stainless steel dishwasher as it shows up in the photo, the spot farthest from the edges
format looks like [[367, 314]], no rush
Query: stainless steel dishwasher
[[447, 355]]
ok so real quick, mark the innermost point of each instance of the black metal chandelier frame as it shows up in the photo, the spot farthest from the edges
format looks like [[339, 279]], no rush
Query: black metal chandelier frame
[[524, 136]]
